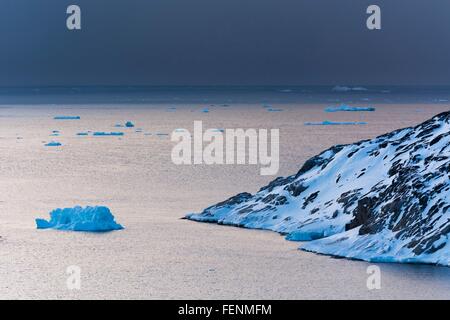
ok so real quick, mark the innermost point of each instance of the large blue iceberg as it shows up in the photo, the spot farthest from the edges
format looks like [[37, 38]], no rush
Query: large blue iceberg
[[92, 219]]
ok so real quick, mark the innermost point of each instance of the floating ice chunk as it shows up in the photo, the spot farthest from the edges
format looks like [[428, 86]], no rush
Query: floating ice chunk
[[274, 110], [53, 144], [161, 135], [100, 133], [332, 123], [67, 118], [348, 89], [349, 109], [82, 134], [206, 110], [93, 219], [129, 124], [359, 89], [341, 89]]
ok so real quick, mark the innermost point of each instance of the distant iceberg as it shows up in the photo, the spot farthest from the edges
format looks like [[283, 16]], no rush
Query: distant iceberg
[[53, 144], [347, 108], [348, 89], [92, 219], [129, 124], [333, 123], [67, 118], [101, 133], [161, 134]]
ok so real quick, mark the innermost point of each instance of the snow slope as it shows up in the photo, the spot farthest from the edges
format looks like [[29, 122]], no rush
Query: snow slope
[[385, 199]]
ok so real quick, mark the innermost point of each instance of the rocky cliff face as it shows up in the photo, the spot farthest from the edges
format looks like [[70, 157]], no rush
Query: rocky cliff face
[[385, 199]]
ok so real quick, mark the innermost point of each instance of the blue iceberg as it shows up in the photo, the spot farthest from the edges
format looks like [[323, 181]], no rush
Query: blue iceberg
[[108, 133], [332, 123], [349, 109], [91, 219], [53, 144], [129, 124], [274, 110], [67, 118]]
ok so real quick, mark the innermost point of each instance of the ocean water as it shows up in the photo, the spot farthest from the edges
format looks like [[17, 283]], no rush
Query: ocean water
[[159, 255]]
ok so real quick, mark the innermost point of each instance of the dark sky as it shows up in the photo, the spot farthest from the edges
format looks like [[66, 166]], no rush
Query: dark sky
[[224, 42]]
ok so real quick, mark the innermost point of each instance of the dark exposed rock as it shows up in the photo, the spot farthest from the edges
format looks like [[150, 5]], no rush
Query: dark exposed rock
[[385, 199]]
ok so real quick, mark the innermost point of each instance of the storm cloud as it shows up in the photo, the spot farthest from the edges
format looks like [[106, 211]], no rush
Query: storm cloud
[[224, 42]]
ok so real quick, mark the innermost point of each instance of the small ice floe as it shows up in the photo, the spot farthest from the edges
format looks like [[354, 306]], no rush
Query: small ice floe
[[54, 135], [270, 108], [129, 124], [101, 133], [67, 118], [206, 110], [82, 133], [161, 134], [341, 89], [92, 219], [332, 123], [53, 144], [180, 130], [274, 110], [348, 89], [359, 89], [347, 108]]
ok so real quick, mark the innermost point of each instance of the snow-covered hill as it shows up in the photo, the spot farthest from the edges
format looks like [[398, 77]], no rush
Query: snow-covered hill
[[385, 199]]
